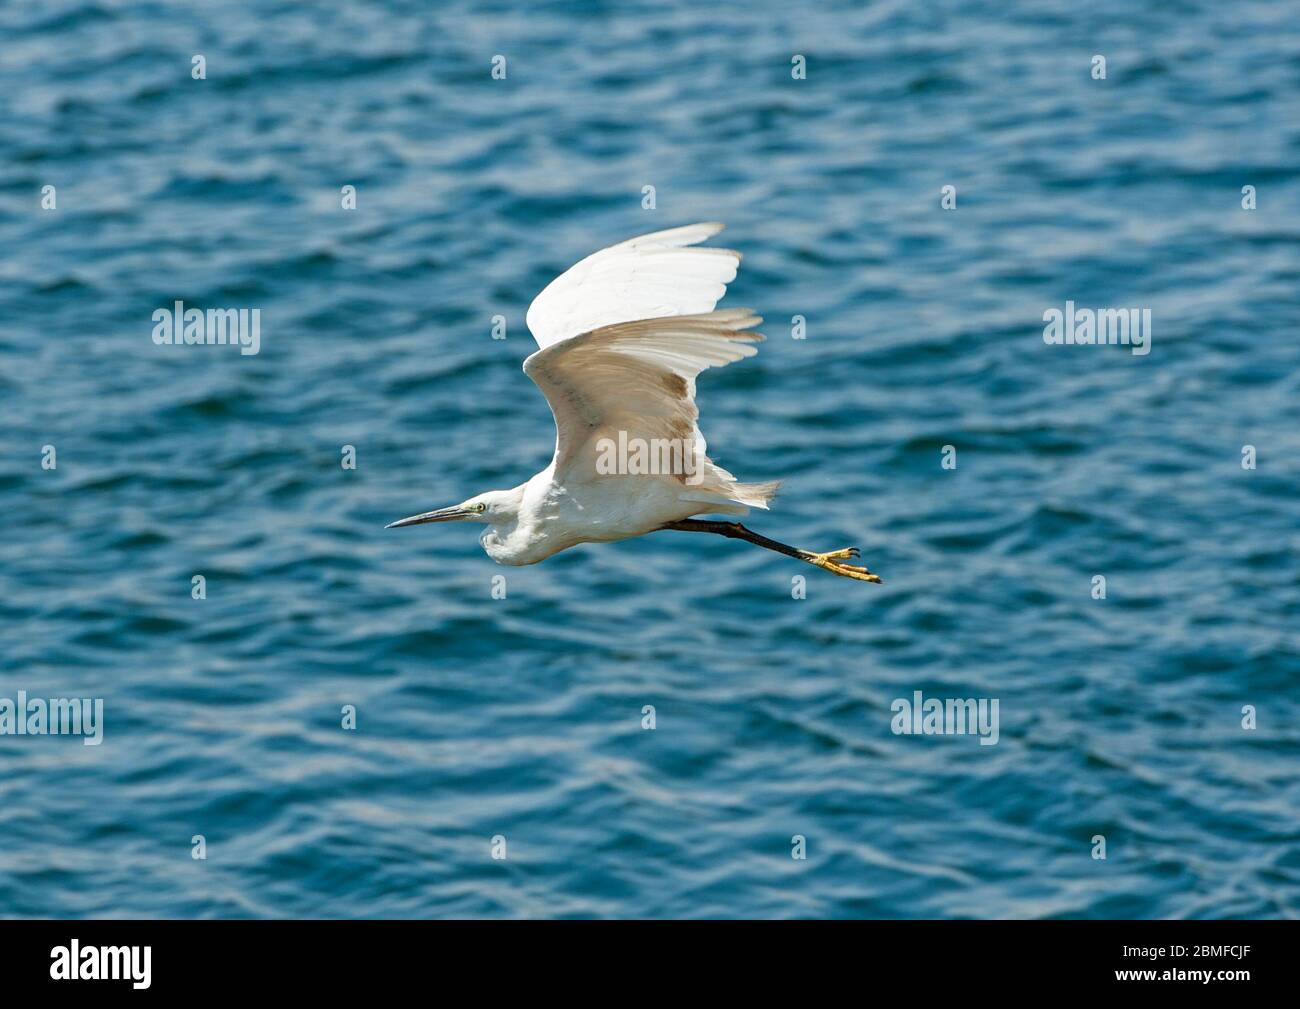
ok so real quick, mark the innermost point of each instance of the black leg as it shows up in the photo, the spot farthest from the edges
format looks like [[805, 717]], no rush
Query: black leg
[[736, 531]]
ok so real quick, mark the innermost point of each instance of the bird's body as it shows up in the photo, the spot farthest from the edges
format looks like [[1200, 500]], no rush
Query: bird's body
[[553, 516], [621, 337]]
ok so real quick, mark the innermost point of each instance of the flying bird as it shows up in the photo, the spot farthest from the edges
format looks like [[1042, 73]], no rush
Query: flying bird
[[621, 337]]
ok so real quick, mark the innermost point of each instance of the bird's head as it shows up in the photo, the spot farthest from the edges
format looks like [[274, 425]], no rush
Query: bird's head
[[494, 507]]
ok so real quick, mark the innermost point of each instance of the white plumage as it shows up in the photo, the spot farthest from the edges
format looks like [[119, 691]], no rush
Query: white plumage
[[648, 277], [621, 337]]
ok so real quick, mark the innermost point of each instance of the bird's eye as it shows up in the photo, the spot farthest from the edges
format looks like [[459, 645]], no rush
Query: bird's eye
[[480, 507]]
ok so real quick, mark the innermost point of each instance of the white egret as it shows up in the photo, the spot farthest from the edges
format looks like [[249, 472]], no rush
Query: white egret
[[621, 337]]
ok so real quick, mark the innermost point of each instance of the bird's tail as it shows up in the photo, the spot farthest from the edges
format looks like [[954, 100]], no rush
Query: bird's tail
[[732, 498], [754, 495]]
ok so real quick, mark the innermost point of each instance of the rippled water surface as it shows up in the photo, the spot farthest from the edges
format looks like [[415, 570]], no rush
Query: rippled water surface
[[522, 716]]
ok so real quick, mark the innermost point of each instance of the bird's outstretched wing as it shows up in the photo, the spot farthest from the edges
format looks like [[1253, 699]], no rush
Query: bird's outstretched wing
[[649, 277], [622, 336], [638, 379]]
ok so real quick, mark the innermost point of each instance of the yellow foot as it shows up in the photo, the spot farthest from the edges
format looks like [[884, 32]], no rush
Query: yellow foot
[[830, 561]]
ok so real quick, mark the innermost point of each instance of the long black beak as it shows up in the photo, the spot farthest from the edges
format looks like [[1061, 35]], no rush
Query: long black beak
[[441, 515]]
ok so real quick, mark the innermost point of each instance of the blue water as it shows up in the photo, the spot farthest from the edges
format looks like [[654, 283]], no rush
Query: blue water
[[522, 716]]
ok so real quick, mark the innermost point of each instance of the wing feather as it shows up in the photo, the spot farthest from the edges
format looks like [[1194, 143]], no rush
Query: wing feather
[[639, 378], [651, 276]]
